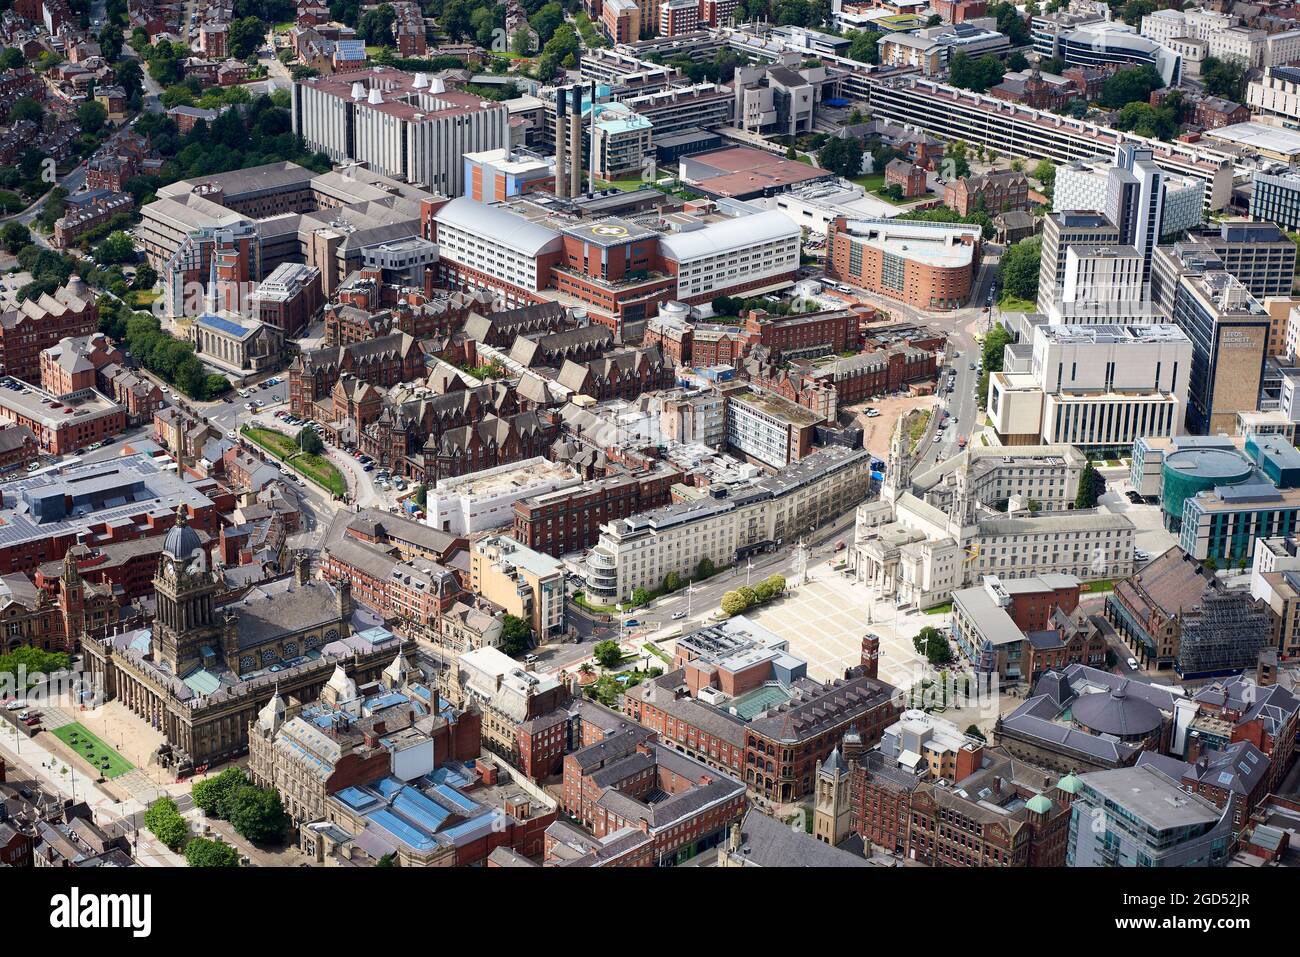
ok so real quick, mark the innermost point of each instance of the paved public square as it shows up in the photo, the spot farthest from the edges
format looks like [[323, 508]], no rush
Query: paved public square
[[824, 621]]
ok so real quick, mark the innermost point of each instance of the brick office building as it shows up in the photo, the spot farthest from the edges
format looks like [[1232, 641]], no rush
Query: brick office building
[[569, 520], [992, 192], [37, 324], [927, 265], [609, 786], [777, 752]]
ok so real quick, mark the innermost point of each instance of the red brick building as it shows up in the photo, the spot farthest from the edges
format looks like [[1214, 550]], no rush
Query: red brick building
[[37, 324], [995, 193], [907, 176], [569, 520], [608, 786], [927, 265]]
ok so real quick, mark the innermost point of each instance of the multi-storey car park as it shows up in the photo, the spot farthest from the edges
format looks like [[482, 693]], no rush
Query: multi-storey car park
[[1013, 129]]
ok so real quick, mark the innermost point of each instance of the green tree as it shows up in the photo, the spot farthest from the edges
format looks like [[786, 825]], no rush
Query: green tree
[[1223, 77], [777, 582], [608, 653], [1010, 23], [310, 442], [91, 116], [1135, 10], [955, 164], [991, 350], [15, 236], [516, 635], [202, 852], [672, 582], [25, 108], [164, 821], [705, 569], [842, 157], [640, 597], [1091, 487], [1134, 84], [733, 603], [245, 36], [257, 814], [1146, 120], [973, 731], [117, 248], [975, 74], [932, 643], [213, 794], [388, 860], [1017, 63], [1045, 173], [1018, 269], [862, 46]]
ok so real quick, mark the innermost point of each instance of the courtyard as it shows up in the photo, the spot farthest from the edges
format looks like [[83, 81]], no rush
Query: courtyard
[[824, 621]]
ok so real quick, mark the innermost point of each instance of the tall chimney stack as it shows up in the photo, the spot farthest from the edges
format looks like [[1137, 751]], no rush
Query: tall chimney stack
[[575, 160], [591, 141], [561, 141]]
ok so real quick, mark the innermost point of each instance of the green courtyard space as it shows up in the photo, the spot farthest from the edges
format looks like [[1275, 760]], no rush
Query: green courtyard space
[[313, 467], [96, 752]]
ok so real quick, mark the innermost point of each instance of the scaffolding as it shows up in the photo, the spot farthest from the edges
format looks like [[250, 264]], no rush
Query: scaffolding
[[1223, 634]]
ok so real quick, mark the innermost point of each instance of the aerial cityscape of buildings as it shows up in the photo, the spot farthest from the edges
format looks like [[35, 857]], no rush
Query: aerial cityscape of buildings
[[685, 433]]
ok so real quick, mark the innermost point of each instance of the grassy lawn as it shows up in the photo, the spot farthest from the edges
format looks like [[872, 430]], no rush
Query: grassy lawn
[[871, 182], [277, 443], [918, 427], [1014, 304], [581, 601], [313, 467], [140, 298], [79, 739], [940, 609], [1100, 585], [321, 472], [623, 185], [657, 652]]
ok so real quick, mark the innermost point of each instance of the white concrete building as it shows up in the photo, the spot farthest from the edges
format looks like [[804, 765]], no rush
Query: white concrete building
[[1276, 96], [946, 528], [1282, 48], [726, 526], [716, 257], [1164, 25], [1242, 44], [1095, 387], [482, 500], [405, 125], [495, 242]]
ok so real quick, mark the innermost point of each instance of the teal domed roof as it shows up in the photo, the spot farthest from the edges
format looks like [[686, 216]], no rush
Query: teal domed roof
[[1070, 784], [1040, 804]]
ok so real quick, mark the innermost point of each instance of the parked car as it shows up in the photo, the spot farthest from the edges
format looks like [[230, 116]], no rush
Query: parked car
[[678, 615], [1133, 663], [1141, 555]]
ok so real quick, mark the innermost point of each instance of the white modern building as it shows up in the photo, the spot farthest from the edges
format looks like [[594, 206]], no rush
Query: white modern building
[[1094, 387], [1275, 96], [728, 525], [759, 252], [482, 500], [405, 125], [1083, 185], [494, 243]]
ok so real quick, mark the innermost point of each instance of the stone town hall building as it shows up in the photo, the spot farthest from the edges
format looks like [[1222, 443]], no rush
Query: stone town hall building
[[209, 663]]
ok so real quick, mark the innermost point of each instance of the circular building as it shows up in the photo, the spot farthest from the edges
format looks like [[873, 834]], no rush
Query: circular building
[[1118, 714], [1190, 470]]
